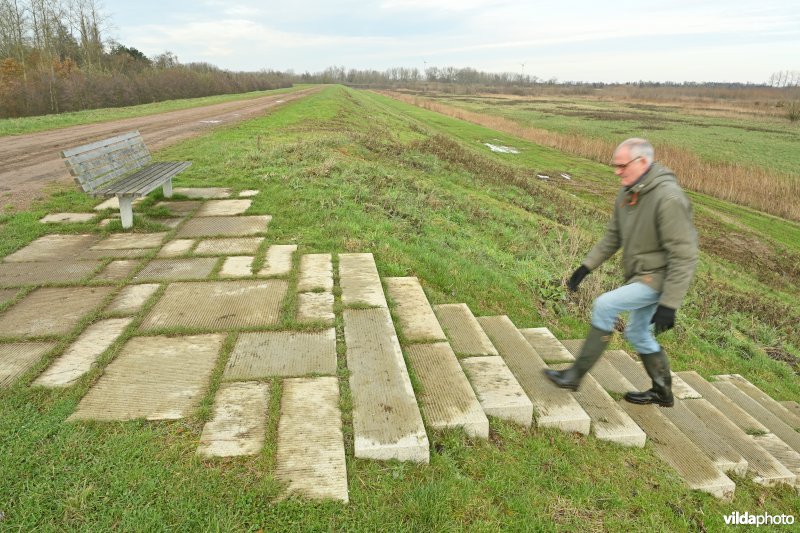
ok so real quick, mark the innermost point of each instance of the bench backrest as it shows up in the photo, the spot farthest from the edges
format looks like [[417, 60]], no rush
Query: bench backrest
[[96, 164]]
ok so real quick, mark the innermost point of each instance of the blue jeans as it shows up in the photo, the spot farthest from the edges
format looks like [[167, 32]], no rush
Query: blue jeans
[[641, 301]]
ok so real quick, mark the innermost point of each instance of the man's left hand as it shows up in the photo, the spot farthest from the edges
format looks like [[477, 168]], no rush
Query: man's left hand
[[664, 319]]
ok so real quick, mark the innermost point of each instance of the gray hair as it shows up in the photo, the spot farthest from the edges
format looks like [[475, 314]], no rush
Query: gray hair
[[638, 148]]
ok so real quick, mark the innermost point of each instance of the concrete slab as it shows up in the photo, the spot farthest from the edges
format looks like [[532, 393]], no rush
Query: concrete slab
[[50, 248], [218, 305], [203, 192], [113, 203], [78, 359], [239, 424], [249, 193], [239, 266], [310, 456], [131, 298], [115, 254], [359, 281], [66, 271], [278, 261], [696, 470], [386, 420], [603, 371], [782, 452], [774, 424], [67, 218], [609, 422], [316, 273], [283, 354], [18, 357], [630, 369], [127, 241], [498, 391], [180, 208], [792, 406], [546, 345], [682, 390], [552, 407], [117, 270], [733, 412], [446, 396], [414, 314], [763, 398], [763, 467], [223, 208], [177, 269], [6, 295], [240, 246], [171, 223], [315, 306], [157, 378], [176, 248], [240, 226], [51, 311], [465, 334]]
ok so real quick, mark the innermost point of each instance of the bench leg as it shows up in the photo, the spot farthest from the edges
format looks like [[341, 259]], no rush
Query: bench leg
[[167, 188], [126, 210]]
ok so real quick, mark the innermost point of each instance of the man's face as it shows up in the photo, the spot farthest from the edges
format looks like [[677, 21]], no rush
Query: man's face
[[627, 168]]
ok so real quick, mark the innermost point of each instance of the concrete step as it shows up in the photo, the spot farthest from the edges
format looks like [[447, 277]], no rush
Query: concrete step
[[310, 456], [414, 314], [735, 414], [547, 346], [278, 261], [603, 371], [467, 338], [553, 407], [316, 273], [774, 424], [609, 422], [782, 452], [697, 471], [239, 423], [359, 281], [792, 406], [763, 398], [386, 420], [446, 396], [498, 391], [763, 467]]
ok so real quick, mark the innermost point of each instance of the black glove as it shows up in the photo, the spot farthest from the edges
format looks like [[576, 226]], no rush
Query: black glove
[[664, 319], [576, 278]]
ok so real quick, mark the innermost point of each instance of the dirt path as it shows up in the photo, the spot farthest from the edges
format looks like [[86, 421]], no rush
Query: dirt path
[[29, 163]]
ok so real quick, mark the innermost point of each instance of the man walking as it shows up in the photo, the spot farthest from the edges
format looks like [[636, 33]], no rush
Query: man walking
[[652, 223]]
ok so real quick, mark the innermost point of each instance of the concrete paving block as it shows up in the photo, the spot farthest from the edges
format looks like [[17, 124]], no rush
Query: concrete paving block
[[78, 359], [176, 248], [696, 470], [67, 218], [278, 261], [315, 306], [310, 456], [359, 280], [177, 269], [249, 193], [131, 298], [498, 391], [283, 354], [733, 412], [156, 378], [547, 346], [203, 193], [51, 311], [218, 305], [171, 223], [223, 208], [126, 241], [609, 422], [238, 226], [763, 398], [239, 423], [117, 270], [121, 253], [180, 208], [782, 452], [51, 248], [316, 273], [237, 267], [762, 467], [386, 420], [65, 271], [113, 203], [414, 313], [446, 396], [18, 357], [229, 246], [465, 333], [552, 407]]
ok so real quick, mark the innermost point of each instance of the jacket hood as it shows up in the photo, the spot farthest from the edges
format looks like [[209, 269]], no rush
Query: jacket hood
[[654, 177]]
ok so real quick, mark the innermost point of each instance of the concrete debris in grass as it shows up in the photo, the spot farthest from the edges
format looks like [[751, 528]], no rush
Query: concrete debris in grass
[[543, 176], [501, 149], [566, 176]]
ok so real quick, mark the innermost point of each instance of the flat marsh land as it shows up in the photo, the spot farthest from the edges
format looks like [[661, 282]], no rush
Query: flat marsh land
[[351, 171]]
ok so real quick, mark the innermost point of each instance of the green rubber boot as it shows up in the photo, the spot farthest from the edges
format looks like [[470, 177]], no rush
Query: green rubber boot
[[593, 347], [657, 367]]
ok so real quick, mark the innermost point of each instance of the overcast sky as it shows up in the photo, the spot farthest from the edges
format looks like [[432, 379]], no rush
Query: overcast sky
[[666, 40]]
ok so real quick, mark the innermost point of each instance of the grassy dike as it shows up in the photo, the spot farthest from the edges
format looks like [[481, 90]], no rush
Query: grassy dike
[[346, 171]]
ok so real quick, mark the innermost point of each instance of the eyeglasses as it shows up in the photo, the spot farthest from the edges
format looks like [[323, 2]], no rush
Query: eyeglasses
[[623, 166]]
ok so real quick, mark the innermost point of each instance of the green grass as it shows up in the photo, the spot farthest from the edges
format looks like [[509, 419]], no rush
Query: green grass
[[345, 171]]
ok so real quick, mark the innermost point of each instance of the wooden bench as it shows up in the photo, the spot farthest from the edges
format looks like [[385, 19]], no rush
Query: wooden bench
[[120, 166]]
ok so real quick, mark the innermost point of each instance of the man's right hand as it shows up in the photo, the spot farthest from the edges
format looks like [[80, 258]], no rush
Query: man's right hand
[[576, 278]]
